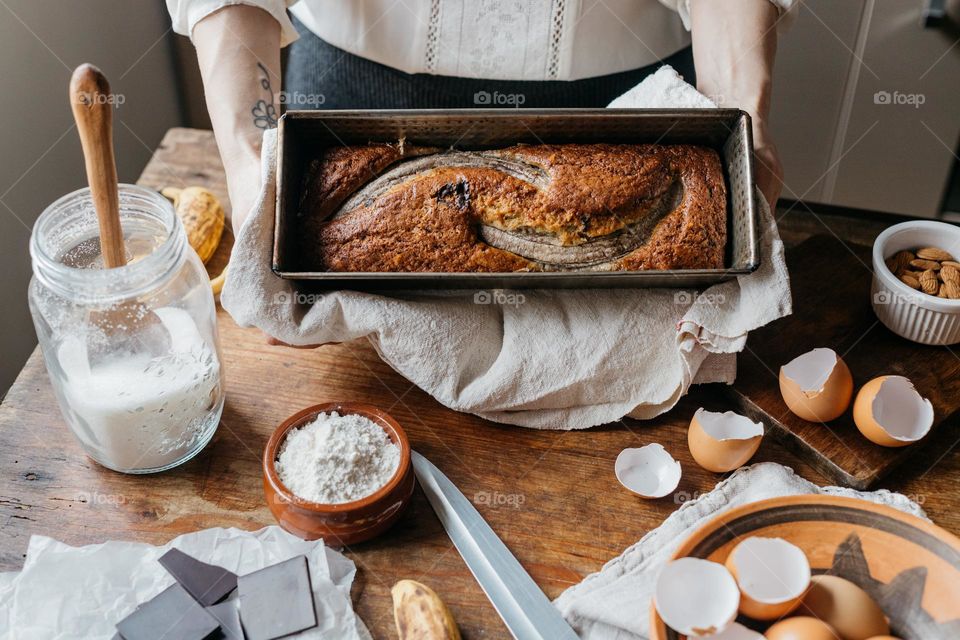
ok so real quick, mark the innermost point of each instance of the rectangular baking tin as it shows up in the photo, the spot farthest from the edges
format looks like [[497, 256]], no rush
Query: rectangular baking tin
[[303, 133]]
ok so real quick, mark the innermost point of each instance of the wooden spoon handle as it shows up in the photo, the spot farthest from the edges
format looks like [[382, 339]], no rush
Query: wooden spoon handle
[[92, 106]]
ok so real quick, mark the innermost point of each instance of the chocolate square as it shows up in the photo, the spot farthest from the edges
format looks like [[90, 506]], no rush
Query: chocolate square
[[227, 614], [207, 583], [171, 614], [277, 600]]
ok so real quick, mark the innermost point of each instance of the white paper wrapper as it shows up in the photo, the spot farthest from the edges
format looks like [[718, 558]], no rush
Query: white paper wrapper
[[66, 592]]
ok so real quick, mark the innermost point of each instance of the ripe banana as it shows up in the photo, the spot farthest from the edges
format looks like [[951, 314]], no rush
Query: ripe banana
[[420, 614]]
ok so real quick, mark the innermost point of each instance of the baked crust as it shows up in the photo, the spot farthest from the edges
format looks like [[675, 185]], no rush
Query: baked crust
[[384, 207]]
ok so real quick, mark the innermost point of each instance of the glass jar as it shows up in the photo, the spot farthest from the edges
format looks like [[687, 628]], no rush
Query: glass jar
[[132, 352]]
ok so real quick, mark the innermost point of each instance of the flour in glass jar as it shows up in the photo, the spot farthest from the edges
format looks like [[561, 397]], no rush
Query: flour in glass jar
[[337, 458]]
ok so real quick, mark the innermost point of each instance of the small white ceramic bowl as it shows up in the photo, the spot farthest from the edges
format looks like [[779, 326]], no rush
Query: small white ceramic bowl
[[907, 312]]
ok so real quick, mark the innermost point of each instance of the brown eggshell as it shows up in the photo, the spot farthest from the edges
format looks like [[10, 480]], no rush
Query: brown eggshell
[[867, 423], [822, 405], [845, 607], [801, 628], [696, 597], [720, 454], [736, 631], [770, 610], [649, 471]]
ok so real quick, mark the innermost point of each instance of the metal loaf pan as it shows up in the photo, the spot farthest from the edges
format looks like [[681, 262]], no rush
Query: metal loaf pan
[[302, 134]]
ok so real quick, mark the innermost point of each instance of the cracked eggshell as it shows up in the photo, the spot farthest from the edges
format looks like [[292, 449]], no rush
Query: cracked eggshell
[[649, 471], [817, 386], [721, 442], [695, 597], [736, 631], [889, 412], [801, 628], [772, 574]]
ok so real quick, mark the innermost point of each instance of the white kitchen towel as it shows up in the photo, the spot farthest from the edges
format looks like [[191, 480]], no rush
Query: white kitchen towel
[[614, 603], [543, 359]]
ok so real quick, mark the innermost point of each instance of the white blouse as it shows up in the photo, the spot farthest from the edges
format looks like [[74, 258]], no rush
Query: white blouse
[[493, 39]]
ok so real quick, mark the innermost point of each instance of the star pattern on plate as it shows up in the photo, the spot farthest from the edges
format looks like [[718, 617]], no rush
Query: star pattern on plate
[[901, 599]]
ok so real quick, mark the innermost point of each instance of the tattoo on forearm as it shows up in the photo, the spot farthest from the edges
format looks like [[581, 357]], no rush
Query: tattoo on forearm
[[264, 112]]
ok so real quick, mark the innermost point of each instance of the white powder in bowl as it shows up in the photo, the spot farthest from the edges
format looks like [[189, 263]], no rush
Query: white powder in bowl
[[337, 458]]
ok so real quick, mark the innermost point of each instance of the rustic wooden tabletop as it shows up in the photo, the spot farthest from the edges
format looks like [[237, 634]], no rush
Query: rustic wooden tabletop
[[551, 496]]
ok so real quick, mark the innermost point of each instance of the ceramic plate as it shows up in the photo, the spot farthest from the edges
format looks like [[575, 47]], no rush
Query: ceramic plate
[[910, 567]]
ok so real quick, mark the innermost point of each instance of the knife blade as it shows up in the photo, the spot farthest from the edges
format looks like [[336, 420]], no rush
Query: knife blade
[[526, 611]]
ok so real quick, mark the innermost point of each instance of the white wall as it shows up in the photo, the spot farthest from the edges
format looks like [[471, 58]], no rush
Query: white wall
[[41, 41], [839, 145]]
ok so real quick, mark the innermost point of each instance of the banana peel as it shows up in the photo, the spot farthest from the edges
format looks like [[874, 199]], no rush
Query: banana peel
[[420, 614], [202, 217], [203, 220], [217, 283]]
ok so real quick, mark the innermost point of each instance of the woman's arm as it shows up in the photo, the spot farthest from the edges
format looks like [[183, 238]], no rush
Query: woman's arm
[[734, 45], [238, 48]]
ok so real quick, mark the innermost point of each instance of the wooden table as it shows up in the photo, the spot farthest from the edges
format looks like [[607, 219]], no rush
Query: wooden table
[[563, 513]]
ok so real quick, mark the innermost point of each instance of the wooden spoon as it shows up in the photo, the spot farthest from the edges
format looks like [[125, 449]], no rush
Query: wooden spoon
[[92, 105], [90, 99]]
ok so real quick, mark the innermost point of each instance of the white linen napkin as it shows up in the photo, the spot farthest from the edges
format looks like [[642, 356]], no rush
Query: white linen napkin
[[537, 358], [614, 603]]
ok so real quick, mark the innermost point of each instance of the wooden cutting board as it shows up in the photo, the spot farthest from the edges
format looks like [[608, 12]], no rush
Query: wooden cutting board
[[831, 308]]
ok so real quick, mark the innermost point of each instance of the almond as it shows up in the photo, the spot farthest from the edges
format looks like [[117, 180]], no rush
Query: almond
[[951, 289], [910, 281], [899, 261], [932, 253], [950, 263], [950, 274], [929, 283], [925, 265]]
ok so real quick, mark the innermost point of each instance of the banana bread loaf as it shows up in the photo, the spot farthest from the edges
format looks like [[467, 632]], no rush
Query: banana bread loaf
[[603, 207]]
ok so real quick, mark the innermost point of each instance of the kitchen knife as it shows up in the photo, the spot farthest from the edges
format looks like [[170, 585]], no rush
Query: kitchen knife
[[526, 611]]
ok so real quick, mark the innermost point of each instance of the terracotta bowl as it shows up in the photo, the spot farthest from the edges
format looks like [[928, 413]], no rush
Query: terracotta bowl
[[349, 522], [909, 566]]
